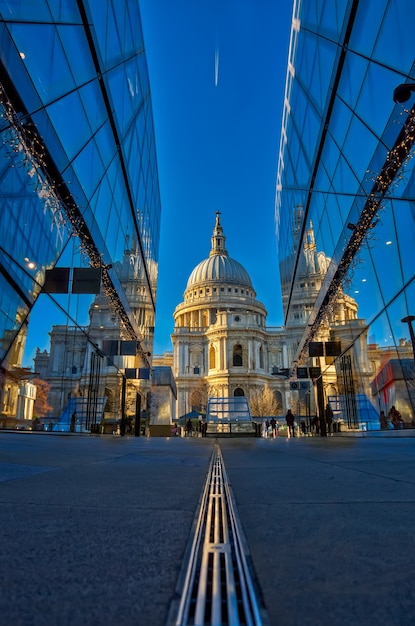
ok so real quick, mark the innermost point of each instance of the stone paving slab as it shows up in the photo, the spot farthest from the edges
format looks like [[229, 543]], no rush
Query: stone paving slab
[[95, 529], [99, 538], [329, 524]]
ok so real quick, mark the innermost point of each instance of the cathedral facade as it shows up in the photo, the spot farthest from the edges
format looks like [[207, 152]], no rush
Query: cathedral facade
[[222, 346]]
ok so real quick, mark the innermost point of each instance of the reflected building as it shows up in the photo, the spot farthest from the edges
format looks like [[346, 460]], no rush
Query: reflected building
[[79, 177], [345, 166], [82, 357]]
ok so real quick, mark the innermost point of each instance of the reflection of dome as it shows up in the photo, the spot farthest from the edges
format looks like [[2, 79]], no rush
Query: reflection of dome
[[219, 267]]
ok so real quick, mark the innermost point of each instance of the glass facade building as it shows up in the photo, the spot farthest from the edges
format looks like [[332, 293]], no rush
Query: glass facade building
[[346, 172], [79, 182]]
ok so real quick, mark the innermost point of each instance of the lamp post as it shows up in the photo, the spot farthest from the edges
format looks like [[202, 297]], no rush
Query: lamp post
[[122, 421], [137, 420], [320, 403], [402, 92]]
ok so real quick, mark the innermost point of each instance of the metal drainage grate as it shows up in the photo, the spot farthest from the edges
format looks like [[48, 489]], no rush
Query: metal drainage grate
[[218, 589]]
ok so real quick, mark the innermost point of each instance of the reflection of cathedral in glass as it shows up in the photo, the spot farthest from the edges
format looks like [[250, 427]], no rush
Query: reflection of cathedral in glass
[[346, 147], [311, 270], [79, 176], [76, 353]]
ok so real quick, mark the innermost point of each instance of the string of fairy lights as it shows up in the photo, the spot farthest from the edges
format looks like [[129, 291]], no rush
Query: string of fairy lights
[[23, 145], [390, 176], [26, 151]]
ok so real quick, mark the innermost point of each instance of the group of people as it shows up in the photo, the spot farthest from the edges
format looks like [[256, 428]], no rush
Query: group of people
[[270, 427], [199, 430], [394, 417], [315, 424], [38, 425]]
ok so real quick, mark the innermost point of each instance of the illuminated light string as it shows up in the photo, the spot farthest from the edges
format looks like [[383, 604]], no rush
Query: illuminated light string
[[390, 176], [26, 150]]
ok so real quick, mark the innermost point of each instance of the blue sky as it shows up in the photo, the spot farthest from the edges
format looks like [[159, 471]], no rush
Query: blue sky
[[217, 74], [217, 144]]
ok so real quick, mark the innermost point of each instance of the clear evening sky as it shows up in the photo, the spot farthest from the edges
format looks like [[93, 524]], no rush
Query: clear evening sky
[[217, 74]]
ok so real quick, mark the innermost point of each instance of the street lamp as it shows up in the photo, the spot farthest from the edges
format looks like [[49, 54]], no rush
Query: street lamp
[[402, 92]]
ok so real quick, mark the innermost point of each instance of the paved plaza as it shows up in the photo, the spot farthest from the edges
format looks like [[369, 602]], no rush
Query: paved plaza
[[95, 528]]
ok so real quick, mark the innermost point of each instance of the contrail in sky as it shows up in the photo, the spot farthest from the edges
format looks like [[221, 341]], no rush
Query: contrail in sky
[[216, 66]]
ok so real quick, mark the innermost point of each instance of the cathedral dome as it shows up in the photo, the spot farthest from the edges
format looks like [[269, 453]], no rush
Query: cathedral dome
[[219, 266]]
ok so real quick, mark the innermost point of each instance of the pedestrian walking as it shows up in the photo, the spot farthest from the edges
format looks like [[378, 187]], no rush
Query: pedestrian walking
[[329, 418], [189, 427], [289, 418]]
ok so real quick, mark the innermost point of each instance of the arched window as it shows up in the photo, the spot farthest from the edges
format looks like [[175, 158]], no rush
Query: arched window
[[212, 358], [238, 392], [261, 358], [196, 401], [278, 397], [109, 405], [331, 391], [237, 355]]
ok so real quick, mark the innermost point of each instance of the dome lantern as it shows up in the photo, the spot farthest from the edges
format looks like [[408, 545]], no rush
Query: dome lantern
[[218, 238], [219, 267]]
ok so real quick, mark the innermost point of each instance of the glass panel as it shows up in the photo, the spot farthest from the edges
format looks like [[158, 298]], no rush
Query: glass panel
[[26, 10], [72, 136], [46, 63], [82, 66], [396, 18]]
